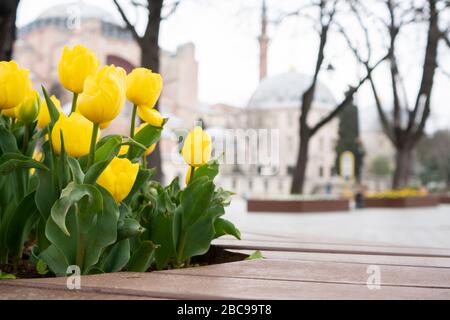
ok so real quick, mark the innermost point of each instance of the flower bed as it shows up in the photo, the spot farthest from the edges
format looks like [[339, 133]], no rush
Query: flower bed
[[402, 198], [297, 205], [444, 198], [73, 201], [406, 202]]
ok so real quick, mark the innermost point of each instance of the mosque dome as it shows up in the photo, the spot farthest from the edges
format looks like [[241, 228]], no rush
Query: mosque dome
[[80, 9], [285, 90]]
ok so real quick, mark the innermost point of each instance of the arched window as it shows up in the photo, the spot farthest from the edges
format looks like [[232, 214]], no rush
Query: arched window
[[120, 62]]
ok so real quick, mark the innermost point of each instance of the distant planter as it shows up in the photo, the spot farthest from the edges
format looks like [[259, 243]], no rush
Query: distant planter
[[444, 198], [406, 202], [297, 205]]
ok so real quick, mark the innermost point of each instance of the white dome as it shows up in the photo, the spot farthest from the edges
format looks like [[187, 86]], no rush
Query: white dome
[[285, 90], [78, 9]]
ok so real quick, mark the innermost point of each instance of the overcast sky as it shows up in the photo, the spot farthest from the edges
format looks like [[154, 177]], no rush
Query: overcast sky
[[225, 34]]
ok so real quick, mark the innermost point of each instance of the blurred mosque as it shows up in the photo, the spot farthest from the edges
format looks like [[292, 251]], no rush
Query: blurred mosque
[[273, 105]]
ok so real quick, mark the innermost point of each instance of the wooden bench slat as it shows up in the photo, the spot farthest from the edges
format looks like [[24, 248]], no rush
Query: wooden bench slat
[[431, 262], [164, 285]]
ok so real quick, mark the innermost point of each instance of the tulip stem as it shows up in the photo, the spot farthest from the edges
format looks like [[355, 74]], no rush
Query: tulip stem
[[93, 143], [74, 102], [144, 161], [26, 137], [133, 121], [132, 127]]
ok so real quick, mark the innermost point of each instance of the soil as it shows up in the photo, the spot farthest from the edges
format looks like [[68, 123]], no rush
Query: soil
[[25, 270], [215, 255]]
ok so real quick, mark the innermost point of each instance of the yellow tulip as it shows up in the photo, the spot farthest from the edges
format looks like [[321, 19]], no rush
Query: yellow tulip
[[151, 116], [15, 84], [104, 95], [77, 133], [75, 66], [124, 149], [37, 155], [10, 113], [118, 177], [44, 114], [189, 174], [144, 87], [105, 125], [28, 110], [196, 150]]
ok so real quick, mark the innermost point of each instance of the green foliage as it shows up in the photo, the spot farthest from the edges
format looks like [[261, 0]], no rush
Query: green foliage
[[348, 137], [255, 256], [56, 202], [184, 222], [380, 167], [434, 157]]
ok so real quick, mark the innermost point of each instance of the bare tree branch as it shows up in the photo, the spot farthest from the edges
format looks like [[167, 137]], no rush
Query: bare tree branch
[[172, 10], [129, 25], [347, 99]]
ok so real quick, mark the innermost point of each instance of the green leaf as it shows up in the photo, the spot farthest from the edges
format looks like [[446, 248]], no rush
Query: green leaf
[[8, 142], [95, 171], [146, 136], [85, 243], [52, 110], [55, 259], [143, 176], [142, 258], [161, 232], [198, 235], [10, 162], [255, 256], [116, 257], [195, 200], [197, 219], [224, 227], [62, 165], [209, 169], [42, 267], [75, 169], [6, 276], [19, 227], [72, 194], [108, 149]]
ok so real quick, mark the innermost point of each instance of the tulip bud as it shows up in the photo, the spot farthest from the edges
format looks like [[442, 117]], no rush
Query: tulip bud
[[103, 95], [44, 114], [28, 110], [144, 87], [15, 84], [151, 116], [119, 177], [75, 66], [77, 133], [196, 150]]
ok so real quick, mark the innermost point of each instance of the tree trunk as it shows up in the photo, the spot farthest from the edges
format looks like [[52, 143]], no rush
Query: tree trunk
[[8, 10], [298, 179], [150, 59], [403, 166]]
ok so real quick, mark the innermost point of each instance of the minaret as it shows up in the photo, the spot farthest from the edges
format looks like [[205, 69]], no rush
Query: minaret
[[263, 43]]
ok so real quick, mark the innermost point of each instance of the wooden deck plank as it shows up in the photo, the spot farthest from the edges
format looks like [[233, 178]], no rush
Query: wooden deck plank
[[166, 285], [431, 262], [329, 272], [293, 246], [15, 292]]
